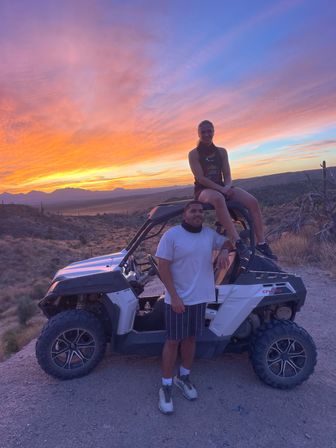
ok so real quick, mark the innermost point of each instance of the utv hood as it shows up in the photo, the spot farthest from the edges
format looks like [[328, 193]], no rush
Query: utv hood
[[91, 266]]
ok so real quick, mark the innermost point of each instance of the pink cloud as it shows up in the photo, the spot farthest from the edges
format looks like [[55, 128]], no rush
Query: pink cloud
[[83, 94], [73, 74]]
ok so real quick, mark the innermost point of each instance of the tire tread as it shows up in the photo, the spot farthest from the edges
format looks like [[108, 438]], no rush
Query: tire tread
[[64, 319], [261, 341]]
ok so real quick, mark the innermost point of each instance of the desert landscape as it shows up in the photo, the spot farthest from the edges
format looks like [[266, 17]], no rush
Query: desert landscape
[[37, 241], [111, 108], [234, 408]]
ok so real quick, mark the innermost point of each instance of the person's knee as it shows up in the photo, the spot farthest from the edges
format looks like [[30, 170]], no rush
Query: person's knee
[[172, 343], [189, 340], [218, 201], [253, 203]]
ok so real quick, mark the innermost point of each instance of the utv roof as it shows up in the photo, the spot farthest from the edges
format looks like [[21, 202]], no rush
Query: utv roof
[[160, 214], [168, 210]]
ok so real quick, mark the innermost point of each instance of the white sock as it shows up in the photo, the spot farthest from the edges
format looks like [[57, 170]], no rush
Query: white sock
[[259, 244], [184, 371], [167, 381]]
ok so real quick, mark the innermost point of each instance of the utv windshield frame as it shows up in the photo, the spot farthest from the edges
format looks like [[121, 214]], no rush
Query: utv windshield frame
[[163, 213]]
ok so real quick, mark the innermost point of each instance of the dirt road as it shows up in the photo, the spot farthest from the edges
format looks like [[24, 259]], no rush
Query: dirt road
[[116, 405]]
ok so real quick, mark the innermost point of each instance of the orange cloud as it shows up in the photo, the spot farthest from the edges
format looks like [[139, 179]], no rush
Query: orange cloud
[[84, 106]]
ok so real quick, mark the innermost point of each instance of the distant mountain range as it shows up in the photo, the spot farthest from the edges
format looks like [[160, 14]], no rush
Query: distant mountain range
[[69, 195], [77, 195]]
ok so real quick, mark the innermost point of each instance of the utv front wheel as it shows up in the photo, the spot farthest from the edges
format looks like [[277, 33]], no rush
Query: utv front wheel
[[283, 355], [71, 344]]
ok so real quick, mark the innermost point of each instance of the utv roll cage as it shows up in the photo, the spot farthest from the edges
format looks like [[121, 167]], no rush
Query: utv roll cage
[[166, 211]]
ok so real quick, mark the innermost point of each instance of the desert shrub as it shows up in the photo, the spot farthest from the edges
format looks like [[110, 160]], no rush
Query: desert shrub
[[82, 239], [303, 248], [15, 338], [38, 291], [327, 257], [294, 249], [31, 331], [74, 245], [9, 342], [25, 310], [5, 302], [50, 233]]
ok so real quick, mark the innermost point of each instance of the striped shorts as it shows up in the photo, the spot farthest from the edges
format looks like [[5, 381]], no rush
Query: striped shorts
[[182, 325]]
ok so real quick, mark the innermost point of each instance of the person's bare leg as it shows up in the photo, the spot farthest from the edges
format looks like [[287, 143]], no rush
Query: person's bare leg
[[188, 347], [169, 355], [251, 203], [182, 380], [217, 200]]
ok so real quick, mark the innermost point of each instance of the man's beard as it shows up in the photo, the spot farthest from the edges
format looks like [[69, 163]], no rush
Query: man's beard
[[190, 228]]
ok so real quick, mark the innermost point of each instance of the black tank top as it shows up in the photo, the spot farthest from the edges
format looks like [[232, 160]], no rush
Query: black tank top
[[211, 163]]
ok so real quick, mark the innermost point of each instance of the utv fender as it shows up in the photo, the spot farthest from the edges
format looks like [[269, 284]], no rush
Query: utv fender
[[88, 284], [70, 289], [103, 282], [113, 312], [297, 296]]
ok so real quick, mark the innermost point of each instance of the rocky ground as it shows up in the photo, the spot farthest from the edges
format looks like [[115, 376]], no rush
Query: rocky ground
[[116, 405]]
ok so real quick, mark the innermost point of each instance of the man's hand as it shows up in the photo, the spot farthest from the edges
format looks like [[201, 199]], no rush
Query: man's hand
[[223, 260], [177, 305]]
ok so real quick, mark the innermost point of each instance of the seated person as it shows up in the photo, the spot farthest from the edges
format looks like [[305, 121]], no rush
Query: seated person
[[213, 185]]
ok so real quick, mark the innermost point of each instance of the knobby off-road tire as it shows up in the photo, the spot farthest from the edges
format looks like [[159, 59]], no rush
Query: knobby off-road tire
[[283, 355], [71, 344]]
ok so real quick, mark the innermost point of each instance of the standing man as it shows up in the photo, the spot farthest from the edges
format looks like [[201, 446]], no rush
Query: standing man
[[185, 262]]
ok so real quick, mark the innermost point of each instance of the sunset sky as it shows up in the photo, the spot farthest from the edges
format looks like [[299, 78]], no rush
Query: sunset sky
[[100, 94]]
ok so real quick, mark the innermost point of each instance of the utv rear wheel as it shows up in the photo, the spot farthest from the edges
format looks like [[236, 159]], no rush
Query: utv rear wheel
[[71, 344], [283, 355]]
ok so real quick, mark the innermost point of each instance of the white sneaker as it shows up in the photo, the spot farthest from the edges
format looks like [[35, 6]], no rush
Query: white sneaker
[[188, 389], [165, 400]]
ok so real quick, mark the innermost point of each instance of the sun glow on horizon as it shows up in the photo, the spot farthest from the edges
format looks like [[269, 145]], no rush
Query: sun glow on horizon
[[113, 100]]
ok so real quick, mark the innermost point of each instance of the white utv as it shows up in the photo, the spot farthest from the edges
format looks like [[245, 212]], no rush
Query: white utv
[[101, 300]]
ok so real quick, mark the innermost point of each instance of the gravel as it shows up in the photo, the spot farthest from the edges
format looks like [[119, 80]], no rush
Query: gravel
[[117, 404]]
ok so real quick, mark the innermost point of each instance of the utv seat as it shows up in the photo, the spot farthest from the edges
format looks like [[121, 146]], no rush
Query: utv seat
[[228, 275], [155, 320]]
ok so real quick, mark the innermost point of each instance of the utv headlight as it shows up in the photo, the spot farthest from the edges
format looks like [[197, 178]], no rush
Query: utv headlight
[[283, 313]]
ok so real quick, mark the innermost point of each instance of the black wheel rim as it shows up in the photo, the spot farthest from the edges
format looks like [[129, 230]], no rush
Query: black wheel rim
[[73, 349], [286, 358]]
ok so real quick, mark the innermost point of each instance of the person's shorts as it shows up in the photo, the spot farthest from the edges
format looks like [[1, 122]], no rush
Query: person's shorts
[[197, 193], [183, 325]]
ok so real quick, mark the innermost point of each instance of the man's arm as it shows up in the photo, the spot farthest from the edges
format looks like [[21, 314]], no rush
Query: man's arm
[[223, 260], [223, 245], [167, 280], [197, 171]]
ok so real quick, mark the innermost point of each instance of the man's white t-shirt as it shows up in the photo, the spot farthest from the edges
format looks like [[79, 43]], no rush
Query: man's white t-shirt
[[191, 267]]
